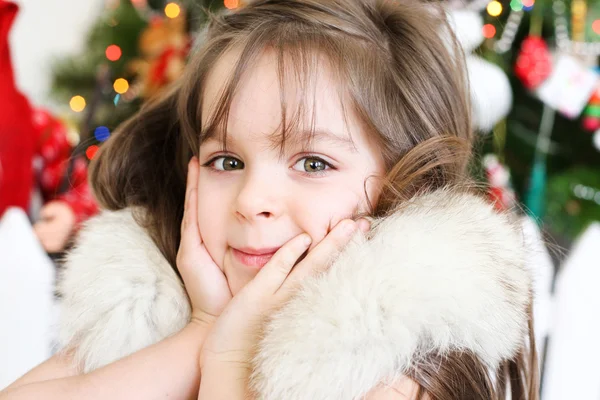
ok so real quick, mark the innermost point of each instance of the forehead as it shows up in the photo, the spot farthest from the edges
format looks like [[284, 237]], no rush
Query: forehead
[[309, 90]]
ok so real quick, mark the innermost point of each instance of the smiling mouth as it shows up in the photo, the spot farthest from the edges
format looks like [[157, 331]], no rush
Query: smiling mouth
[[254, 259]]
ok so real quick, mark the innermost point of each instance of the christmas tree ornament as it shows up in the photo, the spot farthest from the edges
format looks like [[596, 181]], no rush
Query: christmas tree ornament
[[569, 87], [597, 140], [534, 62], [498, 177], [164, 46], [491, 94], [591, 114]]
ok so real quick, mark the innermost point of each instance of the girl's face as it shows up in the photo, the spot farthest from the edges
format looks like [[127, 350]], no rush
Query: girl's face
[[251, 199]]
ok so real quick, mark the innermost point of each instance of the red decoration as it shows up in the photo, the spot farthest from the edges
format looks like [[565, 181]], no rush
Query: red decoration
[[500, 190], [591, 114], [534, 63], [17, 140], [34, 137]]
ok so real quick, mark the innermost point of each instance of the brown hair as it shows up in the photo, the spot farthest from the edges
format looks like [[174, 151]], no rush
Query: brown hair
[[399, 69]]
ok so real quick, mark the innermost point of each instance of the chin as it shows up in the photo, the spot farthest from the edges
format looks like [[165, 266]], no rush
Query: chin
[[237, 276]]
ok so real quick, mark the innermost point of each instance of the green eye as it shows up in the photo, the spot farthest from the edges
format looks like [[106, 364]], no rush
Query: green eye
[[314, 165], [227, 164]]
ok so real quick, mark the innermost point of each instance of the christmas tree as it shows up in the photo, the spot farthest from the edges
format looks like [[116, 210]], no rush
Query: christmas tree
[[133, 52], [550, 140]]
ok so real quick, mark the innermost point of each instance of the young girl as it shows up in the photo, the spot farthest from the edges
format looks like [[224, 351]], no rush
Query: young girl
[[326, 242]]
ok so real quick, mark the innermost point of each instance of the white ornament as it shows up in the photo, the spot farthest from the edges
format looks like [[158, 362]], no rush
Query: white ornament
[[491, 93], [597, 140]]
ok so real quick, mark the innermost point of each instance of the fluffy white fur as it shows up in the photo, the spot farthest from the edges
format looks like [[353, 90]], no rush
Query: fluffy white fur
[[119, 294], [446, 273]]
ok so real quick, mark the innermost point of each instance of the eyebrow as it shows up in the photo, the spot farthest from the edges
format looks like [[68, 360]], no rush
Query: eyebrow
[[302, 137], [324, 135]]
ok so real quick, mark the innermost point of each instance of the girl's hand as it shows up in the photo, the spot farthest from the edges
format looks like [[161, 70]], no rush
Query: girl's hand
[[235, 333], [56, 226], [204, 281]]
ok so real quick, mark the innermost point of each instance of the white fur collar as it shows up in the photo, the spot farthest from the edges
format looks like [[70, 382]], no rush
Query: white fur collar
[[446, 273]]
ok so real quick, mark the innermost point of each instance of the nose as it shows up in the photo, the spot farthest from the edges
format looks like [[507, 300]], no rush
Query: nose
[[259, 198]]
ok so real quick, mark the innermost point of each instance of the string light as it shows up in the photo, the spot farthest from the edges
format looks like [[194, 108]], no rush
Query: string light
[[516, 5], [562, 34], [172, 10], [494, 8], [102, 133], [231, 4], [510, 31], [528, 4], [91, 151], [113, 52], [121, 86], [489, 31], [77, 103]]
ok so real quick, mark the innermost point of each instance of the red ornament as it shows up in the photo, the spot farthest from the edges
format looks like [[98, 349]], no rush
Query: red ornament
[[534, 63], [591, 114]]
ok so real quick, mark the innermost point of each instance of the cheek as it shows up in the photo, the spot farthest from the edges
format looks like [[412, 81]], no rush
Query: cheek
[[332, 207]]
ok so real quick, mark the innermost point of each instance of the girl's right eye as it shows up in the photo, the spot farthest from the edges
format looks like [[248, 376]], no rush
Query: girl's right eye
[[225, 163]]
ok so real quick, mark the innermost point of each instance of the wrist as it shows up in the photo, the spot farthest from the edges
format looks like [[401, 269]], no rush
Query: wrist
[[203, 320], [224, 379]]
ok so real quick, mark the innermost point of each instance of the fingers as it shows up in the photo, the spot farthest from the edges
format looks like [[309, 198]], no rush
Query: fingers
[[275, 272], [320, 258], [189, 224], [190, 233], [278, 275]]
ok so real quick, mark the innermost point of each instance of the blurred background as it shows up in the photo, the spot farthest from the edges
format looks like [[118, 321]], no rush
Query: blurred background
[[71, 71]]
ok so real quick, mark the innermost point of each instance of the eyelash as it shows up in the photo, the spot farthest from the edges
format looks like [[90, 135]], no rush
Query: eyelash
[[328, 165]]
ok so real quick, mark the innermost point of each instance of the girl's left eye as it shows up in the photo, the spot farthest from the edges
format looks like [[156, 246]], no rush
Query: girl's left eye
[[312, 165]]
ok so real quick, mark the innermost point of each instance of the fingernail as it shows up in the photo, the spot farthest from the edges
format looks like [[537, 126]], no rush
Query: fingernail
[[307, 240], [364, 225]]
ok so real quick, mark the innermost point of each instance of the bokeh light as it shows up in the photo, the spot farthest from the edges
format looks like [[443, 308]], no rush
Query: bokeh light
[[596, 26], [113, 52], [121, 86], [494, 8], [77, 103], [101, 133], [172, 10], [91, 151], [231, 4], [489, 31]]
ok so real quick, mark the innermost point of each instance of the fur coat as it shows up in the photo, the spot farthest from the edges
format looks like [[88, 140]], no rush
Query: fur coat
[[445, 273]]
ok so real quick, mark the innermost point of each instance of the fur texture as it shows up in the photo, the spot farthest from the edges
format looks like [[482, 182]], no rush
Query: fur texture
[[445, 273], [119, 294]]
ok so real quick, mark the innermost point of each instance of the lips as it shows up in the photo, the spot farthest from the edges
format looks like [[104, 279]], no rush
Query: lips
[[255, 258]]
